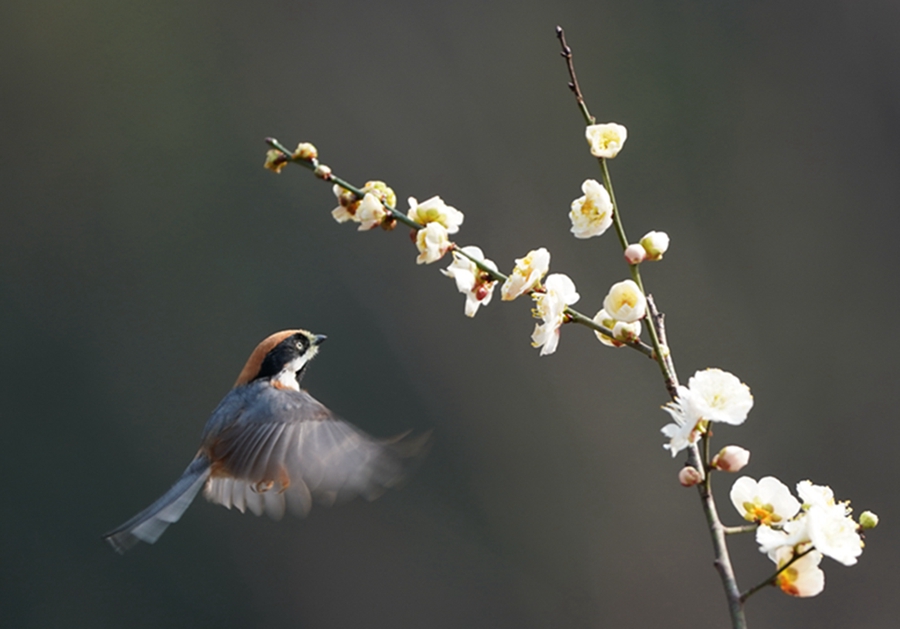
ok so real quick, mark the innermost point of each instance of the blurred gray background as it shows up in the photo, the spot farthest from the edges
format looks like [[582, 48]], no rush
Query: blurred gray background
[[144, 251]]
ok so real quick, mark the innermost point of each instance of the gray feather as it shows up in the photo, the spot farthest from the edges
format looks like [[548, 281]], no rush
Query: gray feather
[[150, 523]]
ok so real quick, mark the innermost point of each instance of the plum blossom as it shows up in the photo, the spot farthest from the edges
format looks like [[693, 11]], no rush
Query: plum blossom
[[550, 306], [768, 501], [527, 274], [591, 214], [432, 242], [625, 302], [475, 284], [606, 140], [801, 578], [684, 431], [721, 396], [834, 533], [370, 212], [434, 210]]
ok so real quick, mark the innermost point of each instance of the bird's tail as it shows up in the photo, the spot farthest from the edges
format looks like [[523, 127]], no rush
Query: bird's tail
[[150, 523]]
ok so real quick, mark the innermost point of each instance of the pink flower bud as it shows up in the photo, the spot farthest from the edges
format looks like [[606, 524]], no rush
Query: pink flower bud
[[731, 459], [635, 253], [689, 476]]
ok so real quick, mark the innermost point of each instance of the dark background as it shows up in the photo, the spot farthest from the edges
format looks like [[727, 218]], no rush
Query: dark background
[[144, 251]]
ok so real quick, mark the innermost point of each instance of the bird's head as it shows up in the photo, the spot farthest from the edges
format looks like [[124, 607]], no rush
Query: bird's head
[[281, 358]]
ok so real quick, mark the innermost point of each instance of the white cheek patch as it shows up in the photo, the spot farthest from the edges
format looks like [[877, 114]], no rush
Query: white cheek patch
[[287, 377]]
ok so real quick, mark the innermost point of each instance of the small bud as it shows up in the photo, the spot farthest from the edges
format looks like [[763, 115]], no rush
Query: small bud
[[731, 459], [306, 151], [627, 332], [322, 172], [689, 476], [275, 160], [655, 244], [635, 254], [868, 520], [388, 223]]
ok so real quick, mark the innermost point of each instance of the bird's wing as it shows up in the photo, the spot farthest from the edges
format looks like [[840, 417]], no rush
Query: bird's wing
[[288, 449]]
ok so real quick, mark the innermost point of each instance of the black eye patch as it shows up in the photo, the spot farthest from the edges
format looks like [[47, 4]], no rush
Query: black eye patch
[[302, 342], [279, 356]]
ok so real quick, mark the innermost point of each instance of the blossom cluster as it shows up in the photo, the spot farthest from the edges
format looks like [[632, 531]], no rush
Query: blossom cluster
[[476, 277], [796, 535]]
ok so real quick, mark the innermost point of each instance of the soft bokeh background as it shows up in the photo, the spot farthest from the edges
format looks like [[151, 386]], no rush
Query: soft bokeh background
[[144, 251]]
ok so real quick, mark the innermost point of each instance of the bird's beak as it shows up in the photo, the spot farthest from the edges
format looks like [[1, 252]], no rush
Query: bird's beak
[[320, 338]]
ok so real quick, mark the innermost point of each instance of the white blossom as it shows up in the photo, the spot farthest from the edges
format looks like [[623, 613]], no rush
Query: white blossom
[[434, 210], [606, 140], [721, 396], [370, 212], [768, 501], [684, 431], [834, 533], [789, 534], [803, 577], [527, 274], [475, 284], [591, 214], [625, 302], [432, 243], [815, 495], [550, 306]]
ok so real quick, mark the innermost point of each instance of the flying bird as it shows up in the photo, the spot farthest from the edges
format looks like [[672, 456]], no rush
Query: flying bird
[[270, 446]]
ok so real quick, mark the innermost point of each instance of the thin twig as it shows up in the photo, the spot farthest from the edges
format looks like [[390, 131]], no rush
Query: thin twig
[[659, 322], [735, 530], [720, 546], [573, 80], [311, 165], [771, 580]]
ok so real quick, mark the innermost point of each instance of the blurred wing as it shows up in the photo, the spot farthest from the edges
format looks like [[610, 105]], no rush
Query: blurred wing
[[288, 449]]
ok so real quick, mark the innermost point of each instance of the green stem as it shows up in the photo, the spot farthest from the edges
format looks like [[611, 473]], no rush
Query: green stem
[[617, 220]]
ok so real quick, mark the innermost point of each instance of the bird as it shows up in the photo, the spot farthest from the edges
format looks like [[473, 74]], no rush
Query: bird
[[269, 446]]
